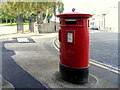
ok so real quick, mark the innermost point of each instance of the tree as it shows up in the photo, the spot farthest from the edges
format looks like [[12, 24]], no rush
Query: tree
[[60, 7], [26, 9]]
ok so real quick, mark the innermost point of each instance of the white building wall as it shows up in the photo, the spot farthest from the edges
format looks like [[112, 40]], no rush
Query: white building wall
[[111, 19], [98, 21]]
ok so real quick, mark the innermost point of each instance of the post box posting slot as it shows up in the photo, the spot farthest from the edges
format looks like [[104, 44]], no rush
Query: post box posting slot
[[71, 21]]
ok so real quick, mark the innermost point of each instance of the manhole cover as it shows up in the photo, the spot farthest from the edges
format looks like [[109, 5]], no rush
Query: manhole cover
[[22, 40]]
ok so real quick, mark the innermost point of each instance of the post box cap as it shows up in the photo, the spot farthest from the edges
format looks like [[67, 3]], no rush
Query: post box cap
[[74, 14]]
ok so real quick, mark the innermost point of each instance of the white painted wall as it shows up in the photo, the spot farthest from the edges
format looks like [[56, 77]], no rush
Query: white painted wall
[[112, 19]]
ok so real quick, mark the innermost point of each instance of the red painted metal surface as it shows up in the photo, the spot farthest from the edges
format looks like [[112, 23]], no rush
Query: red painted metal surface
[[74, 15], [74, 40]]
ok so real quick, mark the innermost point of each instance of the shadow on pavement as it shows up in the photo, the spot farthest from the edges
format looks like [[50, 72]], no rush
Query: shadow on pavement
[[14, 74]]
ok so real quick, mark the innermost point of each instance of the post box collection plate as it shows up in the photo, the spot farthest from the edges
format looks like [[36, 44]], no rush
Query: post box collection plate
[[69, 37]]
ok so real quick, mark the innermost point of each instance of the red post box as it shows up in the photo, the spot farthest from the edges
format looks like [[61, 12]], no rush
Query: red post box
[[74, 47]]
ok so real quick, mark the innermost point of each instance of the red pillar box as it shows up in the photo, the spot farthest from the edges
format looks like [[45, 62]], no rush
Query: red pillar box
[[74, 47]]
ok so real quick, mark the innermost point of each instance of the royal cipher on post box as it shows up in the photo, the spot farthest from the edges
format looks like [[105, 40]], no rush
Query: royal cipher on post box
[[74, 47]]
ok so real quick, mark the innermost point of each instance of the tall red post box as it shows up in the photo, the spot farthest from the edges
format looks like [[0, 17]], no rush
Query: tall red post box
[[74, 47]]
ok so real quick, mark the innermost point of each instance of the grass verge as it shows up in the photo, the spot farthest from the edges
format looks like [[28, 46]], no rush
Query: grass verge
[[13, 24]]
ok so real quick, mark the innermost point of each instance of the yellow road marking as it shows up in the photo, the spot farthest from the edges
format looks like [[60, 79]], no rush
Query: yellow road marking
[[102, 65]]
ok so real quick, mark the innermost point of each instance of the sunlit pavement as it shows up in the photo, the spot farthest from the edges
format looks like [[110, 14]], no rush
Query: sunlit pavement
[[39, 59], [7, 29]]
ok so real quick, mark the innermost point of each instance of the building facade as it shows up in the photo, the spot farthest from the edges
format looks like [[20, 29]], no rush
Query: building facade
[[107, 20]]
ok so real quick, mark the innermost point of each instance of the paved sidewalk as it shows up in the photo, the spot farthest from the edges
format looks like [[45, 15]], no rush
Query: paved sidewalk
[[7, 29], [5, 84], [41, 60]]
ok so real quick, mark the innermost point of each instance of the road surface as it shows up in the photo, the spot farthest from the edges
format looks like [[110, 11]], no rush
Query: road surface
[[104, 47], [38, 57], [13, 73]]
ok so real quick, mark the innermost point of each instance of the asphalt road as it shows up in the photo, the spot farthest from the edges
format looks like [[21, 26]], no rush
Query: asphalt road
[[104, 47], [99, 72], [13, 73]]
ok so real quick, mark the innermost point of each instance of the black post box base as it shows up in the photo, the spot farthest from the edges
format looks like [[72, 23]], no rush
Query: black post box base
[[73, 75]]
